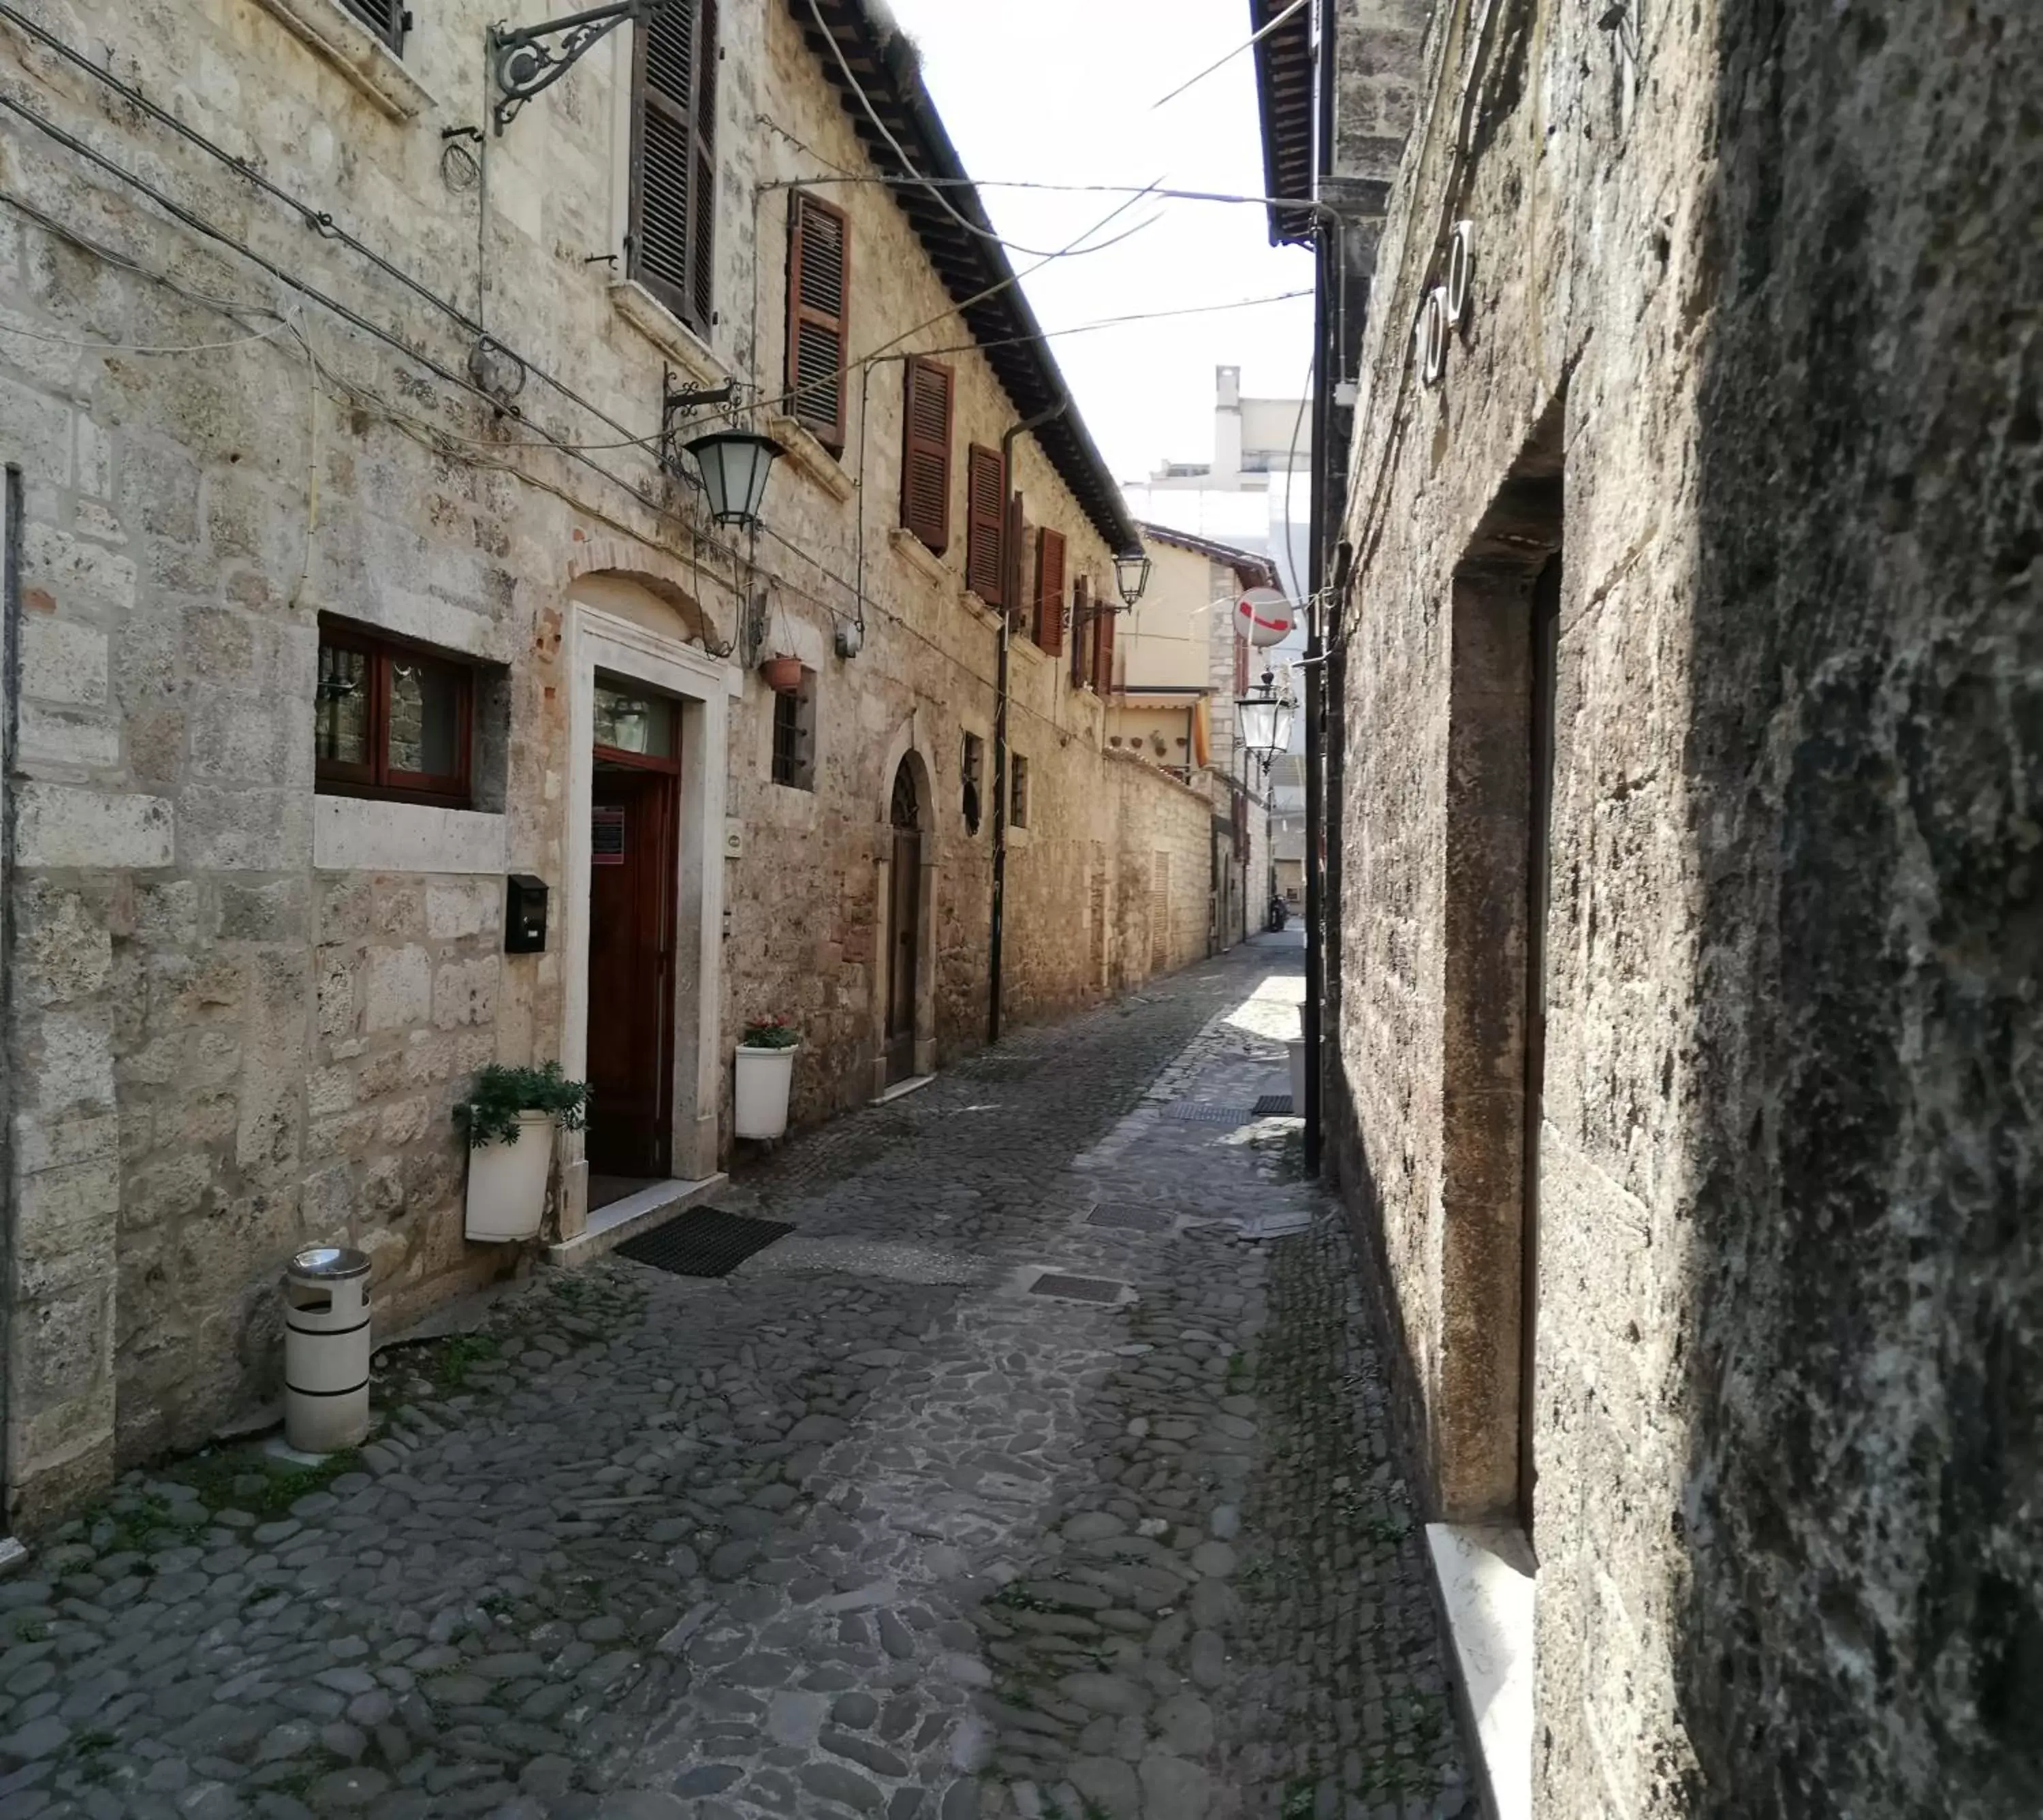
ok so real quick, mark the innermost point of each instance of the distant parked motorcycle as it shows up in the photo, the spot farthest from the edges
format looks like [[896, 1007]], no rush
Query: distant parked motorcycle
[[1280, 915]]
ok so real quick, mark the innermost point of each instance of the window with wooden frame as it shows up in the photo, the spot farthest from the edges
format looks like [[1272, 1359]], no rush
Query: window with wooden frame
[[1050, 591], [673, 159], [819, 315], [1082, 634], [388, 19], [391, 718], [986, 494], [1019, 538], [1017, 794], [925, 453]]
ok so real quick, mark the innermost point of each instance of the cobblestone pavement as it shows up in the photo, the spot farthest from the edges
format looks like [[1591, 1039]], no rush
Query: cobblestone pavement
[[869, 1528]]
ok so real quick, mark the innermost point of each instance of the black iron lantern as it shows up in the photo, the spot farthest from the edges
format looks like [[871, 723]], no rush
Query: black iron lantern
[[1265, 719], [735, 464], [1131, 574]]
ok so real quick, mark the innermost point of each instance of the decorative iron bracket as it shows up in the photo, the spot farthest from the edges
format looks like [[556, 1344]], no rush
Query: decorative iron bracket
[[524, 61], [675, 401]]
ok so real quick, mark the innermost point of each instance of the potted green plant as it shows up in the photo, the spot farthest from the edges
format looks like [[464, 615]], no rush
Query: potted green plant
[[765, 1072], [509, 1119]]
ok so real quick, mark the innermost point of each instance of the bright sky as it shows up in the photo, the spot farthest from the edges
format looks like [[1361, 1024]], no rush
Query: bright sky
[[1062, 91]]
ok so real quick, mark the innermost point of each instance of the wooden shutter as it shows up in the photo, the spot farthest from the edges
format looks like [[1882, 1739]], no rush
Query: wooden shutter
[[925, 453], [1081, 628], [1050, 590], [818, 304], [1102, 657], [388, 19], [986, 488], [673, 163]]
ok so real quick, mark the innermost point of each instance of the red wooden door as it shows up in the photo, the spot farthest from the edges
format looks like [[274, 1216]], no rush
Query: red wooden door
[[633, 836]]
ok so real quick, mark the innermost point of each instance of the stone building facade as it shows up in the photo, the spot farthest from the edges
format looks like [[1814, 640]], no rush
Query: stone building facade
[[1180, 663], [1687, 1036], [321, 398]]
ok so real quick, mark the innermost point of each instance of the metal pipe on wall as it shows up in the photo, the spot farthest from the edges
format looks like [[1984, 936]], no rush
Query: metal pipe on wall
[[1011, 592]]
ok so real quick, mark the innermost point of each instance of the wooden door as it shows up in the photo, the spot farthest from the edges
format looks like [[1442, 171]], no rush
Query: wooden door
[[1546, 638], [904, 923], [634, 833]]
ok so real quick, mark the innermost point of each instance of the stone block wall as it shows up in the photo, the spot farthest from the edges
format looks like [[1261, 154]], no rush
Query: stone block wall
[[239, 1013], [1728, 353]]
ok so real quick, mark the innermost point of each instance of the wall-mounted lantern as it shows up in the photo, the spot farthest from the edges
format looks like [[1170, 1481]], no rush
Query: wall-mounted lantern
[[1131, 574], [735, 465]]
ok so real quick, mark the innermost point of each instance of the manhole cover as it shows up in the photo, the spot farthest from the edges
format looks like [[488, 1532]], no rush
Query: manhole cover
[[1271, 1104], [1076, 1289], [1196, 1112], [1134, 1219], [704, 1242]]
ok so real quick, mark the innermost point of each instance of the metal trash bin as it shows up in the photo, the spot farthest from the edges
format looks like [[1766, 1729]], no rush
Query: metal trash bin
[[326, 1350]]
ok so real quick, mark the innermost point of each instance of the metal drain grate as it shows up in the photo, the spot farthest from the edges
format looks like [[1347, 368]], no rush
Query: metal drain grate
[[1197, 1112], [704, 1242], [1133, 1218], [1076, 1289], [1271, 1105]]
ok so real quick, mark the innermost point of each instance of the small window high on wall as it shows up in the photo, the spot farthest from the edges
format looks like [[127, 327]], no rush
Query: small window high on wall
[[391, 718], [388, 19]]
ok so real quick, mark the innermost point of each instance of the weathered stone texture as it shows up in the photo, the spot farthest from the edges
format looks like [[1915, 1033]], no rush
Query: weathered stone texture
[[1771, 272], [225, 1046]]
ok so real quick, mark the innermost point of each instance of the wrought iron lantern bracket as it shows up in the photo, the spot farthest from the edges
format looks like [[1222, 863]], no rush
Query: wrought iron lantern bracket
[[675, 402], [527, 59]]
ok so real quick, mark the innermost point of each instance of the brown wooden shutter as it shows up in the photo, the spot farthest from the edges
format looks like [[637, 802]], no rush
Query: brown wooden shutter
[[1102, 660], [925, 453], [819, 306], [673, 163], [1081, 627], [985, 491], [1050, 590]]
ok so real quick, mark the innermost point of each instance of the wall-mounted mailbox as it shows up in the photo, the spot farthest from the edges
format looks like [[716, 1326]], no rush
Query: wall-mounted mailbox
[[524, 915]]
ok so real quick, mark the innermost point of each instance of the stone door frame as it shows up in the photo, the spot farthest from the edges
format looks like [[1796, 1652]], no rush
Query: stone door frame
[[596, 639], [909, 745]]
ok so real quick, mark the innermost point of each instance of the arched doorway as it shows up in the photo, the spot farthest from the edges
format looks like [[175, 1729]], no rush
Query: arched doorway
[[904, 923]]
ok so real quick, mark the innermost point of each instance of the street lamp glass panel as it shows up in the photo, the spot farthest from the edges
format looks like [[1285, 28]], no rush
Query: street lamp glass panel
[[1130, 575], [734, 466], [1287, 716], [1259, 717]]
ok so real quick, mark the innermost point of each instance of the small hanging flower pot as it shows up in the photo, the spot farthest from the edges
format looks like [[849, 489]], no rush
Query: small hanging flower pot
[[783, 674]]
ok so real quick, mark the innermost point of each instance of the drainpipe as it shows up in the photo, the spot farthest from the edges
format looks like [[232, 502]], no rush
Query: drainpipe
[[12, 507], [1010, 591]]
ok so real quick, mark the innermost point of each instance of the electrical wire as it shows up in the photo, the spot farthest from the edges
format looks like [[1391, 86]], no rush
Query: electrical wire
[[320, 221], [1013, 279], [935, 195], [1246, 44]]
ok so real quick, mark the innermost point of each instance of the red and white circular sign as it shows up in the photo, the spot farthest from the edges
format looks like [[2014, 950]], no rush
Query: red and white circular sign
[[1263, 616]]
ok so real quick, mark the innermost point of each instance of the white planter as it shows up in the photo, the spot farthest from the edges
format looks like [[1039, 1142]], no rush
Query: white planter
[[1297, 1045], [507, 1183], [764, 1077]]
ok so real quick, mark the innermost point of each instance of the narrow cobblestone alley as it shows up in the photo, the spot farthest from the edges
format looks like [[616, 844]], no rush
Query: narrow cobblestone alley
[[874, 1525]]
